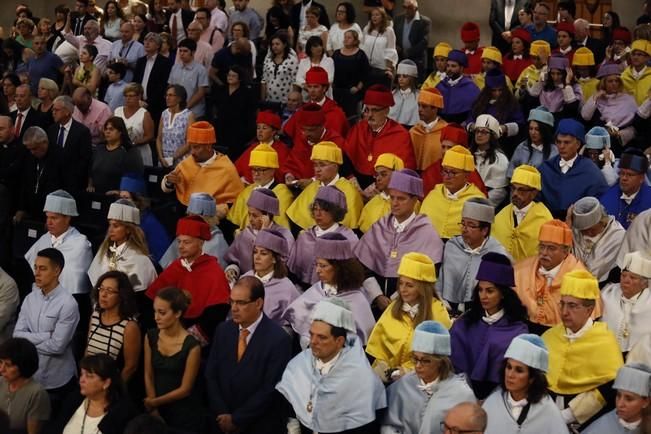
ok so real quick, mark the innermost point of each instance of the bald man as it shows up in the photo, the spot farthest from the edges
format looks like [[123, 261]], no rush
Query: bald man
[[25, 116], [467, 417], [126, 50]]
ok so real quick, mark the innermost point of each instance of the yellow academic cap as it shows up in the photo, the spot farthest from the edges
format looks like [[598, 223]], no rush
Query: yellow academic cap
[[327, 151], [492, 53], [583, 56], [641, 45], [264, 155], [390, 161], [417, 266], [442, 49], [527, 175], [537, 45], [580, 284], [556, 231], [459, 157]]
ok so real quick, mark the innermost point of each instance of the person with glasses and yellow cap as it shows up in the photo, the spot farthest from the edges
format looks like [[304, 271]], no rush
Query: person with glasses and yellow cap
[[379, 205], [627, 304], [583, 65], [440, 56], [417, 301], [403, 230], [462, 254], [199, 274], [538, 278], [324, 383], [327, 158], [377, 134], [458, 90], [517, 59], [597, 238], [539, 52], [631, 416], [204, 171], [637, 76], [405, 94], [426, 133], [268, 125], [264, 162], [451, 135], [418, 401], [522, 404], [583, 355], [443, 205], [517, 225], [491, 59]]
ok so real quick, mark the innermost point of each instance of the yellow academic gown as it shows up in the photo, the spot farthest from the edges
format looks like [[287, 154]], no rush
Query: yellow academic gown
[[589, 87], [432, 80], [580, 367], [521, 241], [239, 212], [480, 81], [530, 74], [445, 213], [638, 88], [390, 340], [299, 210], [375, 209]]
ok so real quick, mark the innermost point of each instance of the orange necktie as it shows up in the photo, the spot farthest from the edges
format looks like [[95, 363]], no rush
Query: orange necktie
[[241, 343]]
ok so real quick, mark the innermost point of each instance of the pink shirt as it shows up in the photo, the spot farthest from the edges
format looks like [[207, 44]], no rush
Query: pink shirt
[[94, 119]]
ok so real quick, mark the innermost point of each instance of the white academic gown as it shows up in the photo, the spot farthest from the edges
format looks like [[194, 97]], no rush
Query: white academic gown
[[601, 257], [543, 417], [77, 254], [628, 321], [137, 266], [638, 236]]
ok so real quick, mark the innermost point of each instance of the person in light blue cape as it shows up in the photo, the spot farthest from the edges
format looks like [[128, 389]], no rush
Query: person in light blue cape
[[633, 385], [522, 405], [330, 386], [419, 400]]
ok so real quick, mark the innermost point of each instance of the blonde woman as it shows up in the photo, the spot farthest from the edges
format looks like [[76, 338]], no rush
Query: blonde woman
[[47, 91], [417, 301], [379, 44], [138, 121]]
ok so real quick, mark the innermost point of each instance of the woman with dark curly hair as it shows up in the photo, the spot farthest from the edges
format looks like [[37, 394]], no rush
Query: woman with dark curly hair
[[340, 275], [113, 329], [482, 334], [327, 210], [521, 404]]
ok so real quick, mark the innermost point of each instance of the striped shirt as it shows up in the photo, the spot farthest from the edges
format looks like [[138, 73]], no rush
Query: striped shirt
[[106, 339]]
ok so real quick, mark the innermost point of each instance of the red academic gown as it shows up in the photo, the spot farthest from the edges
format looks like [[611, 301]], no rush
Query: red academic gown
[[298, 161], [206, 284], [432, 176], [513, 67], [335, 120], [363, 148], [474, 61], [242, 163], [570, 55]]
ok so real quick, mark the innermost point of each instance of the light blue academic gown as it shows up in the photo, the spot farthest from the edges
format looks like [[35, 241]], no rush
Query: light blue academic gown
[[411, 411], [609, 424], [543, 417], [77, 254], [345, 398], [216, 246]]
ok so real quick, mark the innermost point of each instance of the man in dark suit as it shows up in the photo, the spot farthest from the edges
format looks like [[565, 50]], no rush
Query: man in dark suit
[[152, 71], [503, 18], [25, 116], [75, 141], [179, 21], [412, 35], [582, 38], [297, 15], [248, 356], [80, 17]]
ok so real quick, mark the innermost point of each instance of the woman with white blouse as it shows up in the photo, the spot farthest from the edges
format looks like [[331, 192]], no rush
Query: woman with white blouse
[[379, 44], [315, 56], [345, 20]]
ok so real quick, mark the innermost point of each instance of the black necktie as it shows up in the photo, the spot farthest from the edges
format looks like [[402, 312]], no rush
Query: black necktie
[[62, 132]]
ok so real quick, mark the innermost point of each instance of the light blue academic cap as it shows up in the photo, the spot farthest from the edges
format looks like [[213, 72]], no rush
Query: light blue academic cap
[[335, 312], [635, 378], [431, 337], [597, 138], [202, 204], [530, 350], [61, 202]]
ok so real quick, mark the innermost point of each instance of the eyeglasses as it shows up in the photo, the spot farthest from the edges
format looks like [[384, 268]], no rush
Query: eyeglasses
[[421, 361], [108, 290], [445, 173], [468, 225], [570, 306], [239, 302], [482, 131], [447, 429]]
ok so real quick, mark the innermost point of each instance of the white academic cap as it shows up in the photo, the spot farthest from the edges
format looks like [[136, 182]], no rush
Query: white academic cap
[[478, 208], [587, 212], [407, 67], [61, 202], [125, 211], [335, 312], [638, 263], [431, 337], [530, 350], [202, 204], [635, 378]]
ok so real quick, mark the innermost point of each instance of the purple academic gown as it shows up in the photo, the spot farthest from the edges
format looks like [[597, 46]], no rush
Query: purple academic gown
[[381, 247], [241, 251], [299, 312], [278, 294], [458, 99], [478, 348], [302, 257]]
